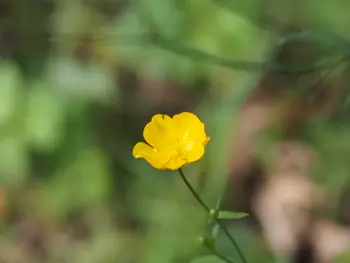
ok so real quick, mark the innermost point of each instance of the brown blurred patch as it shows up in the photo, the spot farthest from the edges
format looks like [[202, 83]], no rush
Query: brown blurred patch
[[294, 157], [278, 100], [3, 203], [330, 240], [284, 202], [256, 116], [83, 49]]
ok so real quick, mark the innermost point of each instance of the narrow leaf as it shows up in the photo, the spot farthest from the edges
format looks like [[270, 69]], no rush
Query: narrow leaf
[[215, 231], [231, 215], [208, 259]]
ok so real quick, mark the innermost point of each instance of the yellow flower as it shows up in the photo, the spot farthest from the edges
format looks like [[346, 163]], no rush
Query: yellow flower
[[172, 142]]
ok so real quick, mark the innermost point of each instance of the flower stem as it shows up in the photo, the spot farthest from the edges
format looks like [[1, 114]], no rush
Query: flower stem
[[220, 256], [199, 199]]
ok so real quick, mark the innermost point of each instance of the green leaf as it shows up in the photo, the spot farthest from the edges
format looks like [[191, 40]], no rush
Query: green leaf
[[87, 82], [160, 248], [343, 258], [208, 259], [92, 170], [10, 85], [218, 203], [44, 122], [82, 184], [231, 215], [249, 240], [14, 161], [215, 231]]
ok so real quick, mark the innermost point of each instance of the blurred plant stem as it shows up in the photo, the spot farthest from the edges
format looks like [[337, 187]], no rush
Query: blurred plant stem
[[209, 244], [222, 227]]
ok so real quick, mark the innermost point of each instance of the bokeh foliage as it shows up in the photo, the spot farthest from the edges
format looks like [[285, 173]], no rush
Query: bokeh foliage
[[68, 121]]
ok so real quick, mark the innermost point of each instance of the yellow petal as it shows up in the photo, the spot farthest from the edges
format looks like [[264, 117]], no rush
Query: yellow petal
[[159, 132], [207, 140], [175, 163], [154, 158], [141, 150], [189, 127], [195, 153]]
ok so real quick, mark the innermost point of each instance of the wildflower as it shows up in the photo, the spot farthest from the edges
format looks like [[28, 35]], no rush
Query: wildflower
[[172, 142]]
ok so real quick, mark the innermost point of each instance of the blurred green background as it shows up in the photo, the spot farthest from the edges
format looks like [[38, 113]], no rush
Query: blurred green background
[[79, 79]]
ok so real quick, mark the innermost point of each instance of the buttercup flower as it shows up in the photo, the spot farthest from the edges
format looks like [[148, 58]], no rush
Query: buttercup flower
[[172, 142]]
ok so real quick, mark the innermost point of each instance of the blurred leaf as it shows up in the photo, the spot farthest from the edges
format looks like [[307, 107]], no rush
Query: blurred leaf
[[330, 15], [93, 174], [183, 70], [69, 16], [153, 62], [14, 161], [323, 136], [86, 81], [215, 231], [231, 215], [126, 37], [265, 142], [208, 259], [219, 31], [164, 14], [104, 247], [218, 203], [344, 258], [82, 184], [9, 82], [249, 240], [250, 9], [44, 121], [160, 247]]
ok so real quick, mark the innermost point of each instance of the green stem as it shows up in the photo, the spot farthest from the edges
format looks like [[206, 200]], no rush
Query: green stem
[[233, 241], [210, 247], [220, 256]]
